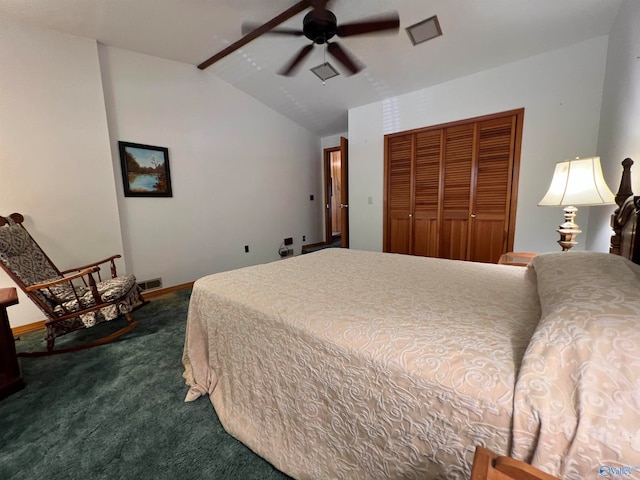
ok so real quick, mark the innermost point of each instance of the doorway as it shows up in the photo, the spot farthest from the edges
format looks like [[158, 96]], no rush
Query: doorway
[[336, 195], [333, 195]]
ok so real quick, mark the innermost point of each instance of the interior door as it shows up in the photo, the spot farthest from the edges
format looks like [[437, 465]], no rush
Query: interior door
[[344, 199], [457, 169], [332, 193], [428, 148], [398, 202], [490, 218]]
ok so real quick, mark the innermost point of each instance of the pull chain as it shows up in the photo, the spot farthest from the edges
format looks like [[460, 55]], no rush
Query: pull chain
[[324, 57]]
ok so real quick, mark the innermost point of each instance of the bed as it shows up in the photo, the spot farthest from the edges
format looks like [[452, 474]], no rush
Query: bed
[[399, 366]]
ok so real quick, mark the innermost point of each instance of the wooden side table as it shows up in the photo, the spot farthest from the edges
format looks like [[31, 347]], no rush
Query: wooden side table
[[521, 259], [10, 378]]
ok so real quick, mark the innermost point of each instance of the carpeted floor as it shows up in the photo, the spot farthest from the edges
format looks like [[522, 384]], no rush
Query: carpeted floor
[[117, 411]]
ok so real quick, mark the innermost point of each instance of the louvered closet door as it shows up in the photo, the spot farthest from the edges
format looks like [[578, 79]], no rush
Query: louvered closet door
[[427, 184], [451, 189], [491, 202], [457, 167], [399, 194]]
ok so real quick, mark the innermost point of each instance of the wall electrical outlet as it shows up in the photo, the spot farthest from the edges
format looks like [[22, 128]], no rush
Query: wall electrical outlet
[[288, 241], [246, 249], [304, 238]]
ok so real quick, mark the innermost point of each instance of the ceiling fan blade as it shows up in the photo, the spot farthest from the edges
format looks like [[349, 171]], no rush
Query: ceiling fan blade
[[248, 27], [387, 23], [274, 22], [344, 57], [291, 68]]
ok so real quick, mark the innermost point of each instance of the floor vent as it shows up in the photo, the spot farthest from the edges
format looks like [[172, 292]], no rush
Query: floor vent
[[152, 284]]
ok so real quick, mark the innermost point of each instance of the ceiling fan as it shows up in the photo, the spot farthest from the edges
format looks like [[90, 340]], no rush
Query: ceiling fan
[[319, 25]]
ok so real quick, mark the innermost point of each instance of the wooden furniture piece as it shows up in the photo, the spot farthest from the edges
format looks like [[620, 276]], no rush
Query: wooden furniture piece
[[520, 259], [451, 191], [624, 238], [488, 465], [10, 378], [71, 299]]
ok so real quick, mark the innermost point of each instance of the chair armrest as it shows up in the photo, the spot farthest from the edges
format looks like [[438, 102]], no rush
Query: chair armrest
[[40, 286], [87, 278], [84, 267], [112, 267]]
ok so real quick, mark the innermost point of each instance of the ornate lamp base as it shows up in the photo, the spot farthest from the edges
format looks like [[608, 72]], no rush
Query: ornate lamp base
[[569, 229]]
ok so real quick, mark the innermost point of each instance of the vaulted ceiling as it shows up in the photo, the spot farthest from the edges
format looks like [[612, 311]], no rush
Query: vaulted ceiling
[[477, 35]]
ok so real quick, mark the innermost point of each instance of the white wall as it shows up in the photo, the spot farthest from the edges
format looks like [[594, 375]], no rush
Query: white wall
[[620, 117], [332, 141], [241, 173], [55, 162], [561, 92]]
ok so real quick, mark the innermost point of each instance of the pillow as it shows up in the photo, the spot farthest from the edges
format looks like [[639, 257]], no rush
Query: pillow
[[585, 278]]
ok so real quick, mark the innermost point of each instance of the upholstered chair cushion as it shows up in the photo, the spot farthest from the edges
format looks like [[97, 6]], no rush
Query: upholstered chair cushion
[[22, 256], [62, 292], [111, 289]]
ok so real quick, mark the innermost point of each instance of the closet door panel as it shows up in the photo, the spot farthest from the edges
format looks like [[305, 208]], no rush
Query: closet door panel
[[488, 238], [399, 193], [425, 236], [456, 190], [453, 237], [490, 205], [426, 197], [399, 241]]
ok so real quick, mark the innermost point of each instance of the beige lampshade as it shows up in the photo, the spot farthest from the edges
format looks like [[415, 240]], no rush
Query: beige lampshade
[[578, 182]]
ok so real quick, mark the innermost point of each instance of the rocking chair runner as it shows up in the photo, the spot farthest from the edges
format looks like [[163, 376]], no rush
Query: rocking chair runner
[[70, 299]]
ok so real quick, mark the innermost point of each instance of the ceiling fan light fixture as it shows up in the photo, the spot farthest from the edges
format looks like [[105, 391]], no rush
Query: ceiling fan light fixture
[[325, 71], [424, 30]]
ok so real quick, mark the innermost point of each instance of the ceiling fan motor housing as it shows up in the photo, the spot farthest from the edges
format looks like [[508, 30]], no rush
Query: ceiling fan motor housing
[[319, 26]]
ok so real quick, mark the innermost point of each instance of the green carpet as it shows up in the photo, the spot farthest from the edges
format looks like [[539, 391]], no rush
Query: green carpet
[[117, 411]]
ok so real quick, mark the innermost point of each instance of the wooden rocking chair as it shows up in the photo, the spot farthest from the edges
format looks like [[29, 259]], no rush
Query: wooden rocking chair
[[72, 299]]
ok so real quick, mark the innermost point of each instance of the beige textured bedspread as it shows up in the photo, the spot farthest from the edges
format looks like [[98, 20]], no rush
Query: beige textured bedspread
[[352, 364], [577, 400]]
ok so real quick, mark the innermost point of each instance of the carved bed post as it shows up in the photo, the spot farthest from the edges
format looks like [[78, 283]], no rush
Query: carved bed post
[[624, 192]]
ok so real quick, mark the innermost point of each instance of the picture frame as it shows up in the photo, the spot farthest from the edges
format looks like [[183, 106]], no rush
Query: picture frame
[[145, 170]]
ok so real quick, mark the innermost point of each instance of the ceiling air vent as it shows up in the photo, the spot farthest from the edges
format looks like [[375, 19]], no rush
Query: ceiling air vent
[[325, 71], [424, 30]]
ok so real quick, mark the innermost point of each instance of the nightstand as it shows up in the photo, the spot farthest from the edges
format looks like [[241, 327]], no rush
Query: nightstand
[[521, 259], [10, 378]]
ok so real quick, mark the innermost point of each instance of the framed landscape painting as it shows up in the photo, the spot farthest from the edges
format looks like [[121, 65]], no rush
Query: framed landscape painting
[[145, 170]]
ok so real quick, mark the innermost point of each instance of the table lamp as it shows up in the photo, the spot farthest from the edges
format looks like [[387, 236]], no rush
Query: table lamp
[[576, 183]]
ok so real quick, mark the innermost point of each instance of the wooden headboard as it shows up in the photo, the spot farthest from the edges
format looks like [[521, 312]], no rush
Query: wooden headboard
[[624, 240]]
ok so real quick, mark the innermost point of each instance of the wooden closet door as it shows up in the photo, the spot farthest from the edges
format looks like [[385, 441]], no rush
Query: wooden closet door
[[426, 198], [457, 168], [399, 176], [489, 227], [451, 190]]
